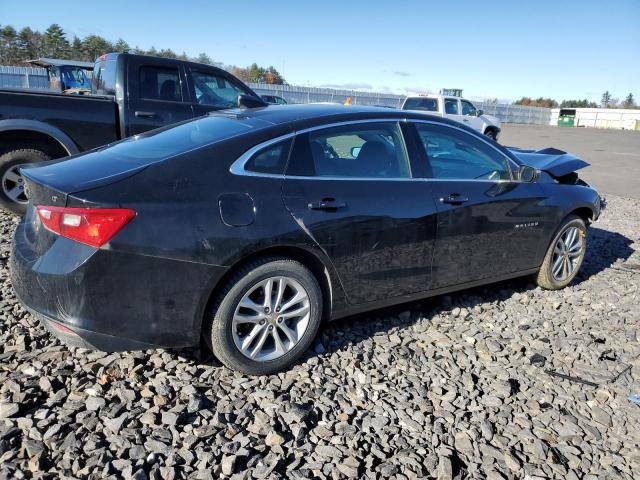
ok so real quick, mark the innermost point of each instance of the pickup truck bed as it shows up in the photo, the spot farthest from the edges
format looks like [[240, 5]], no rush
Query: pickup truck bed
[[92, 120], [130, 94]]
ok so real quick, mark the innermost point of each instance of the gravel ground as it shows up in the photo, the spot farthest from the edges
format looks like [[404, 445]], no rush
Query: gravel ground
[[454, 387]]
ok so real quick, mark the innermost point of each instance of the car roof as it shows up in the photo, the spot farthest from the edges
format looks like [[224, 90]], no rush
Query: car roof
[[297, 116]]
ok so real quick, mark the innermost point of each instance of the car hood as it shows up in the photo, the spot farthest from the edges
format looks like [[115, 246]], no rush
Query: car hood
[[491, 120], [553, 161]]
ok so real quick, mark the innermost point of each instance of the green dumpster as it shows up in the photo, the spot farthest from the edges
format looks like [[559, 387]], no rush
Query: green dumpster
[[567, 117]]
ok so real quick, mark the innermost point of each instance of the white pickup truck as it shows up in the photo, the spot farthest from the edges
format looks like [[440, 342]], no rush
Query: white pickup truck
[[457, 109]]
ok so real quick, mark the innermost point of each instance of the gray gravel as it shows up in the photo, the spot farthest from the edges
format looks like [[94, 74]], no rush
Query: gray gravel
[[453, 387]]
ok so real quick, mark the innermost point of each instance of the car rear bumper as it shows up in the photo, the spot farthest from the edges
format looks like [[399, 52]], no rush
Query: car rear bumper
[[110, 300]]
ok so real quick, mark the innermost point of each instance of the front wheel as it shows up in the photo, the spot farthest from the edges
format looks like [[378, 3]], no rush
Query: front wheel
[[492, 134], [565, 255], [266, 317]]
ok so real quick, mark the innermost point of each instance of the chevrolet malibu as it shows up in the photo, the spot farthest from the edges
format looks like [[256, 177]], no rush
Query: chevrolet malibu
[[248, 228]]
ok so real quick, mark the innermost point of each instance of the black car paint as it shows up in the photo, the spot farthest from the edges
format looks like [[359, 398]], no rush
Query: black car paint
[[393, 242], [83, 122]]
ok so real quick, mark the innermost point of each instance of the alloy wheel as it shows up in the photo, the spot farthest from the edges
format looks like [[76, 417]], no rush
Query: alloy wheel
[[13, 184], [567, 254], [271, 318]]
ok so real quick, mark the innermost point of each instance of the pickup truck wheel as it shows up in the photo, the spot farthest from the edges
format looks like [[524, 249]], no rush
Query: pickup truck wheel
[[12, 194], [491, 133]]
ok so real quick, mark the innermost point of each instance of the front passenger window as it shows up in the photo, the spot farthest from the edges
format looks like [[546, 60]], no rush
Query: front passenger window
[[455, 154], [468, 109]]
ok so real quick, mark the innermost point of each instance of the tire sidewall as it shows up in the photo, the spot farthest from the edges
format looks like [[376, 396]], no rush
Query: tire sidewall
[[9, 160], [572, 221], [221, 340]]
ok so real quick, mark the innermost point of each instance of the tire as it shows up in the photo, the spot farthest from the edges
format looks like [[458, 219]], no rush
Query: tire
[[491, 133], [12, 196], [224, 335], [546, 277]]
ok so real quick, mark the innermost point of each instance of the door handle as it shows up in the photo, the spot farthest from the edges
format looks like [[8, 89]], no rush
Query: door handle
[[145, 114], [465, 120], [454, 199], [330, 204]]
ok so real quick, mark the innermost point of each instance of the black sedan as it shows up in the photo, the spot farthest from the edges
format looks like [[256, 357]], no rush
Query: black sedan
[[248, 228]]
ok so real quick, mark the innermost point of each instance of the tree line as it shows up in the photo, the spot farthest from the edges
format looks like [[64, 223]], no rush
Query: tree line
[[607, 101], [27, 44]]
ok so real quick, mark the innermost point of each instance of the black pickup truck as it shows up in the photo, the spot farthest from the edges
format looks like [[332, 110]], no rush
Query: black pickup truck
[[130, 94]]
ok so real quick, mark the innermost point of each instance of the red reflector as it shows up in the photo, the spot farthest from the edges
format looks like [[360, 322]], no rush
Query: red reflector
[[91, 226]]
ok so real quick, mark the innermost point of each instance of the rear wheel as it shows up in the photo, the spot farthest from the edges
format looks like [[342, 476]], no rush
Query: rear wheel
[[12, 194], [266, 317], [565, 255]]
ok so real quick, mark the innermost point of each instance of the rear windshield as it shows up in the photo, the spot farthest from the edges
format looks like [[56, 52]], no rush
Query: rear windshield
[[427, 104], [169, 141]]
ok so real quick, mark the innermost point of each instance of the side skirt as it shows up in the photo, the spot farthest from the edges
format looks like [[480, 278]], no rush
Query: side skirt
[[365, 307]]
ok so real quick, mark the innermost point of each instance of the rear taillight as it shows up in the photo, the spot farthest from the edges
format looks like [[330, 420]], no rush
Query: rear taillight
[[92, 226]]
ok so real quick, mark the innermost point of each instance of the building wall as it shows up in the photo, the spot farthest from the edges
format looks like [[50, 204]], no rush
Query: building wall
[[618, 118]]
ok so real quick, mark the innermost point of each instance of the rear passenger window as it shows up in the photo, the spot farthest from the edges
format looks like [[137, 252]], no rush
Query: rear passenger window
[[368, 150], [270, 160], [160, 83]]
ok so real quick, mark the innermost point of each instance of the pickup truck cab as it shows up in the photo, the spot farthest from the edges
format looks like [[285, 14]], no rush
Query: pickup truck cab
[[130, 94], [455, 108]]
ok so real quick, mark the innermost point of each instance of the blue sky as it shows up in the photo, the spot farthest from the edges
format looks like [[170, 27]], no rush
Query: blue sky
[[504, 49]]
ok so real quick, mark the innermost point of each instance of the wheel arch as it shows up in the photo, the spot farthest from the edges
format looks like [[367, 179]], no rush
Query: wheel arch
[[584, 212], [35, 134], [307, 258]]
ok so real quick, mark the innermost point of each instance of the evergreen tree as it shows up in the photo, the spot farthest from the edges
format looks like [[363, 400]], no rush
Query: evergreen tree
[[93, 46], [629, 102], [606, 99], [56, 44], [204, 58], [121, 46]]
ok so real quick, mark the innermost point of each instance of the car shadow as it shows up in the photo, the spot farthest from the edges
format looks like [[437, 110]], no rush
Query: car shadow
[[604, 249]]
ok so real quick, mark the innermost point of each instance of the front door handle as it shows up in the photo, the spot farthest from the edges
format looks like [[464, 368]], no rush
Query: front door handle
[[329, 204], [454, 199], [145, 114]]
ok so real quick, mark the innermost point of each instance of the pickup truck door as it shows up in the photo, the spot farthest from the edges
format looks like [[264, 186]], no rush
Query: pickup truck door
[[157, 95], [451, 109], [470, 115]]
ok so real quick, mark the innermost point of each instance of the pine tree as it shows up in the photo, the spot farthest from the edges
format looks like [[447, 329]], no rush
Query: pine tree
[[204, 58], [629, 102], [606, 99], [56, 44], [121, 46]]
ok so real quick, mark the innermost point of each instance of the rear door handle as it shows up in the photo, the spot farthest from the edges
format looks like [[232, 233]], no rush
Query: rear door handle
[[454, 199], [330, 204], [145, 114]]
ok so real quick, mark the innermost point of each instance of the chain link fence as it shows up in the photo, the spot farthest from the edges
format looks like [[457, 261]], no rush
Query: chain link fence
[[36, 78]]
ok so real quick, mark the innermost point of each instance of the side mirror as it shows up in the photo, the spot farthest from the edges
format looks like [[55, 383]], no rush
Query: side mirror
[[479, 112], [355, 151], [248, 101], [527, 174]]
